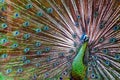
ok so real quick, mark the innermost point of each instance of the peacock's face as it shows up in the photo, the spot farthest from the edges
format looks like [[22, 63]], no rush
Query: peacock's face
[[84, 38]]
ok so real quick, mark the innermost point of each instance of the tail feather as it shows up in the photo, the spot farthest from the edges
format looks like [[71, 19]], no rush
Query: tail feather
[[39, 39]]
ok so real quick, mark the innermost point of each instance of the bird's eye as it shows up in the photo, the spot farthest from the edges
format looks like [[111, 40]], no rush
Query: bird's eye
[[84, 38]]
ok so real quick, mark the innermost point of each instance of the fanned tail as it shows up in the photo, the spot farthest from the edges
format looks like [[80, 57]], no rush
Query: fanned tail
[[39, 39]]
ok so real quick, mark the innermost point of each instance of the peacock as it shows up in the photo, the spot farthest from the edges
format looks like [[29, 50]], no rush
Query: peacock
[[59, 39]]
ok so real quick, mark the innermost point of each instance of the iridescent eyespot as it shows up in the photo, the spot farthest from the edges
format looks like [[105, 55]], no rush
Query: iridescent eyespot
[[20, 70], [16, 15], [34, 77], [74, 35], [3, 8], [39, 13], [117, 56], [37, 64], [16, 33], [107, 63], [15, 45], [47, 49], [76, 24], [96, 14], [2, 1], [61, 54], [92, 75], [95, 49], [29, 6], [26, 50], [89, 68], [26, 36], [45, 28], [49, 10], [116, 27], [78, 17], [4, 25], [24, 58], [101, 40], [105, 51], [4, 56], [46, 74], [102, 25], [38, 52], [112, 40], [37, 44], [27, 62], [38, 30], [3, 41], [8, 71], [26, 24]]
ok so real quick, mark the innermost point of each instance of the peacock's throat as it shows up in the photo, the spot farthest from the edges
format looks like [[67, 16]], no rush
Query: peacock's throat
[[78, 66]]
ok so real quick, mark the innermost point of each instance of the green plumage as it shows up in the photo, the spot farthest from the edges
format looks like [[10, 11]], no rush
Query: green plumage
[[78, 66]]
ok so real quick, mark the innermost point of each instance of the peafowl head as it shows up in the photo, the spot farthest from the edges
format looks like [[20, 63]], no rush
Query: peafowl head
[[84, 38]]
